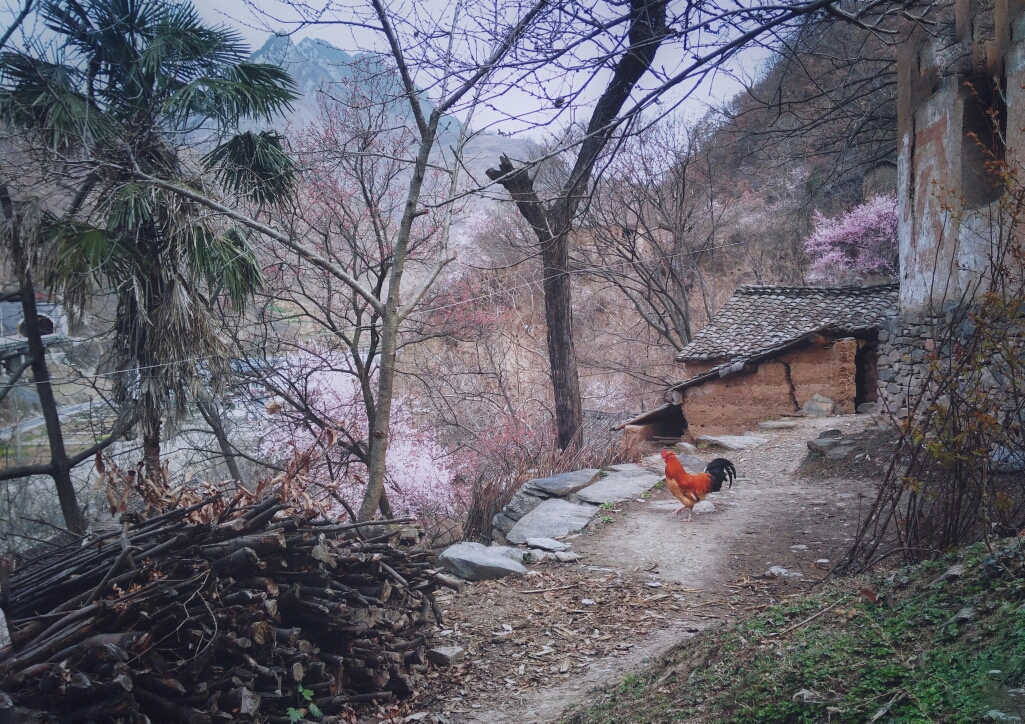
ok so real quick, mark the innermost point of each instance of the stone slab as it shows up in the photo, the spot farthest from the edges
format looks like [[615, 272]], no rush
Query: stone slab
[[839, 452], [513, 554], [734, 442], [819, 406], [626, 468], [566, 483], [691, 464], [548, 544], [553, 518], [476, 562], [777, 425], [619, 486], [822, 444], [446, 655], [503, 523], [521, 504]]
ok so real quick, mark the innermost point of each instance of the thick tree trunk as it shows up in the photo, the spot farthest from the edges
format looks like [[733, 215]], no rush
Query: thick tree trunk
[[73, 518], [561, 351], [552, 222], [381, 424]]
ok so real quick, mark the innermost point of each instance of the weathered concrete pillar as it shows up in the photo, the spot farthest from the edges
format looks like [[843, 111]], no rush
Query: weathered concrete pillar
[[951, 86]]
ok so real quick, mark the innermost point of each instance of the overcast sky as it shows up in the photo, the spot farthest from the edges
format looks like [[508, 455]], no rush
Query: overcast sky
[[255, 20]]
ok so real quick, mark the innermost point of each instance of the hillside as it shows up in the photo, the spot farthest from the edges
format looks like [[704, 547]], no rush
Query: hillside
[[943, 641]]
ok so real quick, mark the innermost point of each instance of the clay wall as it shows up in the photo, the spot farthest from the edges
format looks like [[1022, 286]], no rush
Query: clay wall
[[738, 402], [827, 370]]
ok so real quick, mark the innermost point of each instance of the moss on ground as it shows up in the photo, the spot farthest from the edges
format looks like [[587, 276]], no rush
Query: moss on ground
[[925, 650]]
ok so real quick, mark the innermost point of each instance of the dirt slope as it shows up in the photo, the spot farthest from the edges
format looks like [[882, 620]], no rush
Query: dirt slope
[[647, 580]]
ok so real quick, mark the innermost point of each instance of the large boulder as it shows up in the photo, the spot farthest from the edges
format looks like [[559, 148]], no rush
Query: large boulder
[[477, 562], [553, 518]]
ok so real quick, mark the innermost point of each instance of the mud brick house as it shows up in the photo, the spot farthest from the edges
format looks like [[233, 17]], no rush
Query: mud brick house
[[767, 352]]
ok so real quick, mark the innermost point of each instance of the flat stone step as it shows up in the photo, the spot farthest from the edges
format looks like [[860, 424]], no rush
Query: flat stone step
[[619, 486], [734, 442], [777, 425], [565, 483], [693, 465], [553, 518]]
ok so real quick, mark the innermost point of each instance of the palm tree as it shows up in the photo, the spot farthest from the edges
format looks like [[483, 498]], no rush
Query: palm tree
[[137, 86]]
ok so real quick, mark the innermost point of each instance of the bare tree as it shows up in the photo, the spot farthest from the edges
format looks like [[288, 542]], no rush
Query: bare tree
[[654, 224], [710, 35]]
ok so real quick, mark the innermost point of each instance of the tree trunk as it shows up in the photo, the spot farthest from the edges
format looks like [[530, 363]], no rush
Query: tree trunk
[[381, 424], [552, 222], [73, 518], [151, 446], [211, 414], [390, 320], [561, 352]]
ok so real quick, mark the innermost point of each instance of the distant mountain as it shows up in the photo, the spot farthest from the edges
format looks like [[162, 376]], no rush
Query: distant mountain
[[315, 65]]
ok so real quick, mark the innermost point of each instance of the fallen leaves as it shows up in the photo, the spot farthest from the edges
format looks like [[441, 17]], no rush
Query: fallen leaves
[[540, 636]]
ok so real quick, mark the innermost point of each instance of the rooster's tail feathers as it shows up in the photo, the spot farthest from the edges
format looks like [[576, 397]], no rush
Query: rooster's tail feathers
[[720, 469]]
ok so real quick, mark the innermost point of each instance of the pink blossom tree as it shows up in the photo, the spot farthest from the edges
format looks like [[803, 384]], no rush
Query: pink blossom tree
[[855, 247], [420, 471]]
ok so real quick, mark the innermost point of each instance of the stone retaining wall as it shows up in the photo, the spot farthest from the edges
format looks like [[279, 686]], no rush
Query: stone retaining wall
[[910, 344], [906, 346]]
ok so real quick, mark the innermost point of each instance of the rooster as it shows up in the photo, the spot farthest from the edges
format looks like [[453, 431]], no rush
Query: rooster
[[689, 489]]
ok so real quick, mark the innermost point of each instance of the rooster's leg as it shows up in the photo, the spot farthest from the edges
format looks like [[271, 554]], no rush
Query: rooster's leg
[[678, 511], [690, 514]]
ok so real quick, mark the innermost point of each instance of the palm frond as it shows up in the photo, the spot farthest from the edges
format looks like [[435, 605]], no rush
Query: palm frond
[[245, 91], [44, 98], [80, 256], [184, 48], [254, 164], [131, 207], [226, 261]]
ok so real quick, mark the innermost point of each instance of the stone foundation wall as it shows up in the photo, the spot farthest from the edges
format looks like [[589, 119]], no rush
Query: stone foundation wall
[[906, 349]]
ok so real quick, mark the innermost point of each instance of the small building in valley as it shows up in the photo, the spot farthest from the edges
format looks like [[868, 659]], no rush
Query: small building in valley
[[768, 352]]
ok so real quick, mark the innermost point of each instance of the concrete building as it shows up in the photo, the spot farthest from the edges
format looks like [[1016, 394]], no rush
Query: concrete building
[[961, 125]]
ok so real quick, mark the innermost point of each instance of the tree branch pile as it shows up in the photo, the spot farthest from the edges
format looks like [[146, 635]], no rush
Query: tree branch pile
[[245, 615]]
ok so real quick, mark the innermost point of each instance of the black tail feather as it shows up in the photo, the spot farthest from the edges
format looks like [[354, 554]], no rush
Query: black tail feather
[[720, 469]]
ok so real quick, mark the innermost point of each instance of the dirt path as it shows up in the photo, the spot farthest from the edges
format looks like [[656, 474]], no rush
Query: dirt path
[[646, 581]]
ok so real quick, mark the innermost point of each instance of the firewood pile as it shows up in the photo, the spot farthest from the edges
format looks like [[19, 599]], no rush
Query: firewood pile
[[256, 613]]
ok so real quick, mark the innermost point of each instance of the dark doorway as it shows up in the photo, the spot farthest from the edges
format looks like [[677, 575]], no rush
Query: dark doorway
[[866, 373], [669, 424]]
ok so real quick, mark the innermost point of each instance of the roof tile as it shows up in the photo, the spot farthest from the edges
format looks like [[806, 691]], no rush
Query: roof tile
[[758, 318]]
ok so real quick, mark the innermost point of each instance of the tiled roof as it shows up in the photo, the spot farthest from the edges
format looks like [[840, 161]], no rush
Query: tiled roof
[[759, 318]]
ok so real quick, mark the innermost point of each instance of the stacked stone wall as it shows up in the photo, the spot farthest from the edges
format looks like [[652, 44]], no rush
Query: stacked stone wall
[[907, 343]]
